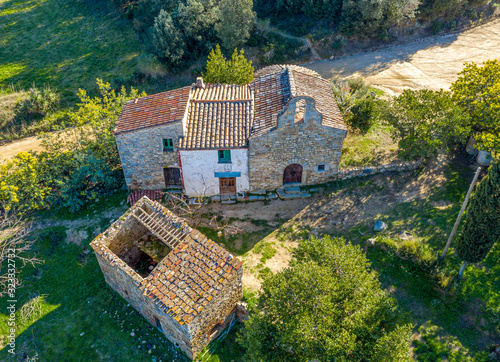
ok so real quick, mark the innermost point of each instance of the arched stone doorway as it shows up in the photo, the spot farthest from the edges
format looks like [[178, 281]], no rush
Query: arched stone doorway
[[292, 174]]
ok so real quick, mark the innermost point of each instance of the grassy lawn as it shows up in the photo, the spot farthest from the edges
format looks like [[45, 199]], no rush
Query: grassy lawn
[[63, 44], [66, 44], [374, 148], [83, 319]]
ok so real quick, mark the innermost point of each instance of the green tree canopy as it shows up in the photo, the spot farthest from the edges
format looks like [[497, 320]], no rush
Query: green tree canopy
[[236, 19], [477, 89], [328, 306], [80, 163], [425, 121], [168, 41], [482, 221], [238, 70]]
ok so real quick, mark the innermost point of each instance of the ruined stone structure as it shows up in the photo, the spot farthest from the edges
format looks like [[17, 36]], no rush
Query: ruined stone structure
[[181, 282], [284, 128]]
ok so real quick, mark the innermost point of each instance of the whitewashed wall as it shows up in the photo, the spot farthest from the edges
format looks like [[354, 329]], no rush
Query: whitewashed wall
[[198, 168]]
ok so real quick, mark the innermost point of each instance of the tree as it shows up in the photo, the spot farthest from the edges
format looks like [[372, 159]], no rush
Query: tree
[[216, 68], [14, 247], [425, 121], [371, 18], [328, 306], [238, 70], [482, 222], [236, 19], [196, 20], [93, 124], [477, 89], [168, 41]]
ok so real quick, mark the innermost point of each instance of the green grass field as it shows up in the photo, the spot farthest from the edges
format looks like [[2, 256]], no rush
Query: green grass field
[[83, 319], [66, 44]]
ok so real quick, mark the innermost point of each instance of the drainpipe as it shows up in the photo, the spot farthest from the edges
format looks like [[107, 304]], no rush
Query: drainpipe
[[180, 167]]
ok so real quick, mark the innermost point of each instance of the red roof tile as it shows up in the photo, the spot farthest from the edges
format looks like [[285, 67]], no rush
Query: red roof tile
[[194, 271], [218, 116], [153, 110]]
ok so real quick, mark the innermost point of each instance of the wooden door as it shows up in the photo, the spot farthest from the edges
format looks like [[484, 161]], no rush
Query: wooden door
[[292, 174], [227, 185], [172, 176]]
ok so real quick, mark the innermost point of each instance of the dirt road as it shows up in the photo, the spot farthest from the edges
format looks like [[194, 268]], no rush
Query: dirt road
[[430, 63], [11, 149]]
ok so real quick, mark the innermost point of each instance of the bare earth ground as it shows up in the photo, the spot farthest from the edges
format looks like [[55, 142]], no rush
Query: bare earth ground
[[30, 143], [431, 63], [428, 63], [328, 211]]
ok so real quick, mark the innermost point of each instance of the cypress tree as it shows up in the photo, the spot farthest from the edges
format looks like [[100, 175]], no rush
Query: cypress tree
[[216, 67], [237, 70], [482, 223]]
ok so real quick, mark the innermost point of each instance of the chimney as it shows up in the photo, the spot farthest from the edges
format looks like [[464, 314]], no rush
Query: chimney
[[200, 83]]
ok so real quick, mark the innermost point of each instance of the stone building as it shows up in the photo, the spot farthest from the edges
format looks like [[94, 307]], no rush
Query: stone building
[[181, 282], [282, 129]]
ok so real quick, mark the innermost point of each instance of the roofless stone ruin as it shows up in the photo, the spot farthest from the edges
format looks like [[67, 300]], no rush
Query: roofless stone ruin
[[181, 282]]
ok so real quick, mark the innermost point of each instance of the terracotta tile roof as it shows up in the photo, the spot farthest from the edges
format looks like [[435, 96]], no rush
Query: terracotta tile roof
[[271, 94], [278, 68], [277, 84], [153, 110], [218, 116], [320, 90], [189, 277], [226, 115]]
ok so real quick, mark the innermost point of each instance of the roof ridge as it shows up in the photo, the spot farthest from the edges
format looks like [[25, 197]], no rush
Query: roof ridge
[[291, 82], [222, 100]]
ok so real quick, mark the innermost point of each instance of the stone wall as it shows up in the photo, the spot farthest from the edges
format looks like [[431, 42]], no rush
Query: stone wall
[[216, 315], [125, 281], [192, 337], [309, 144], [350, 172], [143, 158]]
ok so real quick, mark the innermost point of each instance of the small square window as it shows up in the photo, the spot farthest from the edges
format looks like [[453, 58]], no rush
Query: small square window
[[224, 156], [168, 144], [321, 168]]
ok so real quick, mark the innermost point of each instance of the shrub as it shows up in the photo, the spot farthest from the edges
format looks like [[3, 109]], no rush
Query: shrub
[[362, 115], [91, 178], [41, 101], [356, 102], [426, 121]]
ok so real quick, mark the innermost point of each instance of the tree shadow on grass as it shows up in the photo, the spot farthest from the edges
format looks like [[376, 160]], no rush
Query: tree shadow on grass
[[84, 319]]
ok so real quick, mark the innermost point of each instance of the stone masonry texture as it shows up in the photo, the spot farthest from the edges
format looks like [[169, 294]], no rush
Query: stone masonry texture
[[308, 144], [207, 280], [143, 158]]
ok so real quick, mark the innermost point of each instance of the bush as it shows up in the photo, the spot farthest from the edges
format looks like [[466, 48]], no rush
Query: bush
[[91, 179], [41, 101], [362, 115], [426, 121], [357, 104]]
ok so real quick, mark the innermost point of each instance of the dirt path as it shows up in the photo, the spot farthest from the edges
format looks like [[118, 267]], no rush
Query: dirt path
[[430, 63], [314, 54], [11, 149]]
